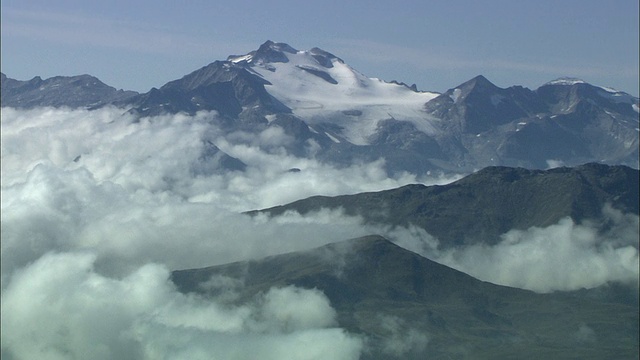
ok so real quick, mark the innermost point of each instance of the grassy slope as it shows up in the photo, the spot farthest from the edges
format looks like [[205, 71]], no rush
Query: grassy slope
[[490, 202], [370, 279]]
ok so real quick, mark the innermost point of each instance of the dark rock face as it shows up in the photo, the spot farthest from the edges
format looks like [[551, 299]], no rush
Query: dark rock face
[[571, 123], [220, 86], [324, 58], [477, 106], [321, 74]]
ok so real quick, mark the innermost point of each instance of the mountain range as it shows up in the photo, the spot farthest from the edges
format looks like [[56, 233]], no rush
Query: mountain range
[[566, 152], [83, 91], [331, 112]]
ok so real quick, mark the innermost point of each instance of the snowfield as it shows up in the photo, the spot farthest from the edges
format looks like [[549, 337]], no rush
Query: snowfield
[[305, 85]]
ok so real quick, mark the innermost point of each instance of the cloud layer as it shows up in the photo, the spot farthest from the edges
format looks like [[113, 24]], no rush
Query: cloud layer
[[97, 209], [59, 308]]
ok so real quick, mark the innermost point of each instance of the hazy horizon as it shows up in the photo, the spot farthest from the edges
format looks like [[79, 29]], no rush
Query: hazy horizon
[[139, 45]]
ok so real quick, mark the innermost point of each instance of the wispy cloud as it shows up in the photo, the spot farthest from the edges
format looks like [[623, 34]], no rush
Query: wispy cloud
[[564, 256], [87, 245], [86, 30]]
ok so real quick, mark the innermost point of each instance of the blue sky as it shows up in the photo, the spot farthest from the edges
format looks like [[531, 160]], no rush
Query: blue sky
[[139, 44]]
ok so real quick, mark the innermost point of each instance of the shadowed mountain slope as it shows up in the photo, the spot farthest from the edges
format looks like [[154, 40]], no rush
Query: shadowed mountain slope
[[490, 202], [219, 86], [372, 283]]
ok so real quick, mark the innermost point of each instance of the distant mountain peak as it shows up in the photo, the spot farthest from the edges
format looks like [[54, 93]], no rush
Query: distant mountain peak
[[571, 81], [479, 83], [277, 46], [73, 91], [268, 52], [277, 52], [324, 58]]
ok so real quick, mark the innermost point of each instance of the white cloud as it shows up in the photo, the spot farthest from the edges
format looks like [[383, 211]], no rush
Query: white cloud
[[57, 210], [97, 209], [290, 309], [399, 339], [584, 334], [563, 256], [59, 308]]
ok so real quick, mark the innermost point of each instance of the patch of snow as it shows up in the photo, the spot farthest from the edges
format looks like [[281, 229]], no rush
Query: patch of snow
[[242, 58], [522, 123], [270, 117], [570, 107], [566, 81], [618, 96], [333, 138], [609, 89], [456, 95], [635, 108], [318, 101]]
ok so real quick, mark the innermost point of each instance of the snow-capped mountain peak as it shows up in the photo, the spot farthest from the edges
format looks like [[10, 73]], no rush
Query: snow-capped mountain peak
[[276, 52], [595, 92], [321, 88], [269, 52]]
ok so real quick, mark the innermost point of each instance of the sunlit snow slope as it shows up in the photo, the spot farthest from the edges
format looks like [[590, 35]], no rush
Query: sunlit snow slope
[[320, 88]]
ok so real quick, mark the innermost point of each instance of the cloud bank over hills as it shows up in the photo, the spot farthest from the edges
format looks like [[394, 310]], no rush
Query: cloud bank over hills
[[99, 207]]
